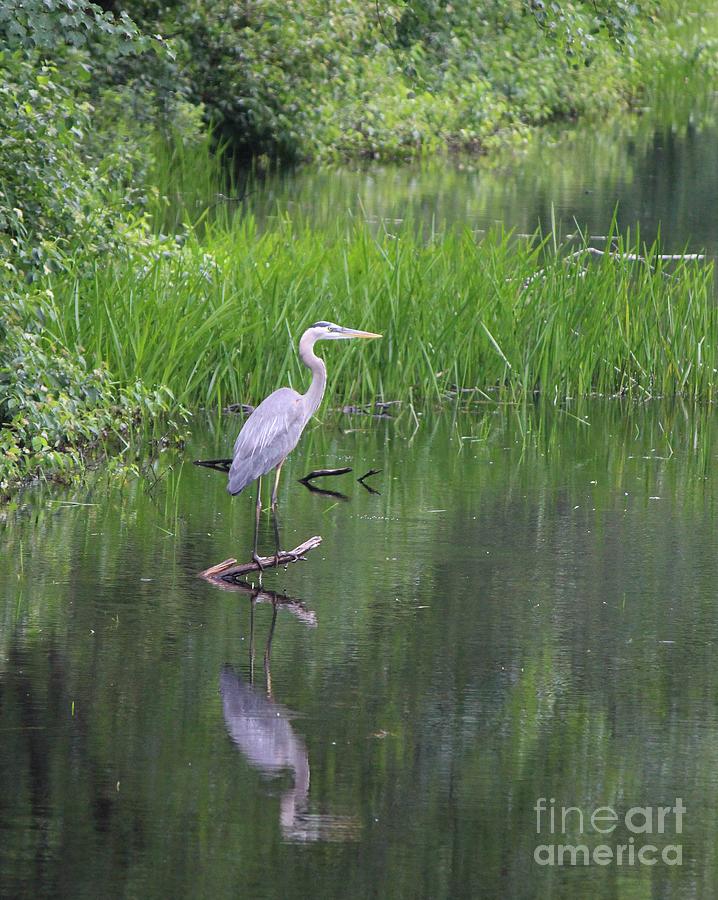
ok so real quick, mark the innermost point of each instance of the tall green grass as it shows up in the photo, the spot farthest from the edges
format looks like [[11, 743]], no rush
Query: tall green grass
[[219, 320]]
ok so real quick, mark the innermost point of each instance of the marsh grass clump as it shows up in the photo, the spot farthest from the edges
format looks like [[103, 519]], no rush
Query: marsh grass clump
[[217, 321]]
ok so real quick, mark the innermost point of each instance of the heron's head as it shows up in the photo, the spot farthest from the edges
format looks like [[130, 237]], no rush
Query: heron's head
[[328, 331]]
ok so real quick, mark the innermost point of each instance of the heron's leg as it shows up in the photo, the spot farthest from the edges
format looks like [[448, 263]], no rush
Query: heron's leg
[[278, 470], [277, 544], [275, 520], [258, 513], [251, 639]]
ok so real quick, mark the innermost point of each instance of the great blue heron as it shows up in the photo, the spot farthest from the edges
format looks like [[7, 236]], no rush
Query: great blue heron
[[273, 430]]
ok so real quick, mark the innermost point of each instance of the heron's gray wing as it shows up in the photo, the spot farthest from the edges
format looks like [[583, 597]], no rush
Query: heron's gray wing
[[267, 437]]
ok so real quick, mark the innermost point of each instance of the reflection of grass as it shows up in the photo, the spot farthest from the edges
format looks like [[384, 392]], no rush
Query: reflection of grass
[[219, 321]]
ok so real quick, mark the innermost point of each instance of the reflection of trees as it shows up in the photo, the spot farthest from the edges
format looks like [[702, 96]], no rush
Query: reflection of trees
[[439, 700]]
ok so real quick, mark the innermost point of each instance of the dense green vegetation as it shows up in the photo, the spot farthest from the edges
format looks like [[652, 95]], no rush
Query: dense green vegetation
[[108, 116], [77, 126], [321, 80], [495, 314]]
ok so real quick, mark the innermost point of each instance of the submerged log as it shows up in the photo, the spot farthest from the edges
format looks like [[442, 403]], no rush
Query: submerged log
[[324, 473], [219, 465], [324, 492], [614, 254], [308, 481], [363, 483], [230, 568], [378, 409]]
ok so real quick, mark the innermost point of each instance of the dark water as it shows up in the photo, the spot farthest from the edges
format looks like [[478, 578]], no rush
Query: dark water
[[527, 609]]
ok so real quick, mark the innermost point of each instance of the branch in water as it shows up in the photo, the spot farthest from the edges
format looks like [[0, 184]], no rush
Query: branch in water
[[378, 409], [230, 567], [367, 475], [632, 257], [219, 465], [323, 473], [259, 594], [310, 486]]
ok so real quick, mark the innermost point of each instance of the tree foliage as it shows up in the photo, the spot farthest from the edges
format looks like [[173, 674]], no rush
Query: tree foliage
[[54, 25], [312, 79]]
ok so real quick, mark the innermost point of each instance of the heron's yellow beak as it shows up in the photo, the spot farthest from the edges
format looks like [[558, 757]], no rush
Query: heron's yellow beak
[[362, 334]]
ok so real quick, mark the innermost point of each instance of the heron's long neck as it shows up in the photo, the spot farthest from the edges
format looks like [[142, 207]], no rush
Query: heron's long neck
[[319, 373]]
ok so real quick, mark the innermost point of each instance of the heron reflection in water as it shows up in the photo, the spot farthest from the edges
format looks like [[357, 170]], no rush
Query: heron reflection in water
[[273, 430], [262, 730]]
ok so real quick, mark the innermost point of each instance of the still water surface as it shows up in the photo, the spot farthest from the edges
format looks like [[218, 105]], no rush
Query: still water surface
[[527, 608]]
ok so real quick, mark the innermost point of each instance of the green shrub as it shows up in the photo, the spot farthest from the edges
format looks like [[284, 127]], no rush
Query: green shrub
[[81, 102], [52, 404], [311, 80], [53, 197]]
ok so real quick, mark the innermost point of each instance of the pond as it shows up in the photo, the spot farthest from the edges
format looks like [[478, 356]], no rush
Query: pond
[[523, 607], [519, 617]]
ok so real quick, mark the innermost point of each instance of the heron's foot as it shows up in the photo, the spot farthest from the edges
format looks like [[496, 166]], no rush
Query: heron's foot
[[258, 559], [288, 557]]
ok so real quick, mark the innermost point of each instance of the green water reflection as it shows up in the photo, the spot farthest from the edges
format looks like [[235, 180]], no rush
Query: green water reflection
[[527, 609], [658, 170]]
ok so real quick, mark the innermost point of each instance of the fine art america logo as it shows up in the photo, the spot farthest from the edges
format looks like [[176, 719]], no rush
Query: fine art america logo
[[647, 830]]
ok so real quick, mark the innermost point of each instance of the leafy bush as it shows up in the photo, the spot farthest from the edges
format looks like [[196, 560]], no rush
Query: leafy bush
[[52, 403], [82, 94], [308, 80], [52, 25], [53, 197]]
